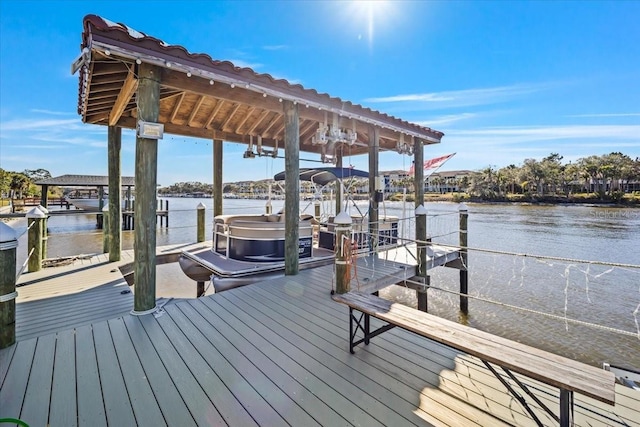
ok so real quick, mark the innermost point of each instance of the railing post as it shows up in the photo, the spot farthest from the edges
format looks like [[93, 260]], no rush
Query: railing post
[[201, 210], [343, 252], [464, 273], [421, 271], [316, 210], [268, 209], [105, 229], [36, 217], [45, 234], [8, 294]]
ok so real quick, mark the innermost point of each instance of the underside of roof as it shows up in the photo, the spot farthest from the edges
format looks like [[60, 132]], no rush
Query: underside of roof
[[205, 98], [84, 181]]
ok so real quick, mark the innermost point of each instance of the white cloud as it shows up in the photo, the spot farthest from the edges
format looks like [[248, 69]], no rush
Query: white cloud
[[275, 47], [606, 115], [463, 98], [447, 119], [53, 113], [245, 64], [31, 124]]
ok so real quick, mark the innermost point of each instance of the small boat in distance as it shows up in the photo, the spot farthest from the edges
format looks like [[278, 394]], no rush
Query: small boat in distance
[[87, 204]]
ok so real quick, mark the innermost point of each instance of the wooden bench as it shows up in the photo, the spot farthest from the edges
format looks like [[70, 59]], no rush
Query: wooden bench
[[566, 374]]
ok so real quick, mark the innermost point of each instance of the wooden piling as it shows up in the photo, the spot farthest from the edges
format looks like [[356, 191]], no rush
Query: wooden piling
[[217, 177], [292, 182], [343, 252], [8, 294], [35, 220], [464, 273], [421, 270], [114, 219], [200, 221], [105, 229], [45, 231], [374, 148], [146, 174]]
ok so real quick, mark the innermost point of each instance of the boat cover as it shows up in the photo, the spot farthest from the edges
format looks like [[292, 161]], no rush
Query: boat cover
[[323, 176]]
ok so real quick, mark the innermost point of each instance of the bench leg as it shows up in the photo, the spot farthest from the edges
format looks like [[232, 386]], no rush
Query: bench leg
[[355, 324], [363, 324], [566, 408]]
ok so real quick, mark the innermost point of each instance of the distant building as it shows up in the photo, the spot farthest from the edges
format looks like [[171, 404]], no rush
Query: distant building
[[447, 181]]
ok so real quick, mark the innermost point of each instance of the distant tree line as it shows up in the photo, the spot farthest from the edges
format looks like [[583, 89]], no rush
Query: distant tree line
[[18, 185], [608, 176]]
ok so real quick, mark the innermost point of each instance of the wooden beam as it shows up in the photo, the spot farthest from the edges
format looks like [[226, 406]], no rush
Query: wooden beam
[[246, 117], [146, 174], [230, 116], [214, 113], [176, 107], [292, 182], [176, 79], [128, 89], [273, 121], [195, 109], [258, 121]]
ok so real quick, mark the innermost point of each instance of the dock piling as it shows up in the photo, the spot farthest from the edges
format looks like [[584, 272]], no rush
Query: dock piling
[[464, 273], [8, 294], [105, 229], [200, 215], [35, 220], [343, 253], [421, 271]]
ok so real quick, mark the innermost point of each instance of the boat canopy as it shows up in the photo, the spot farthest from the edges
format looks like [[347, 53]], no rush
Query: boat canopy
[[324, 176]]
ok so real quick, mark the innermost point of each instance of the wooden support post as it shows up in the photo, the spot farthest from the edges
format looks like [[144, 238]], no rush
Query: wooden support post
[[292, 182], [166, 207], [464, 270], [8, 294], [114, 219], [421, 270], [374, 148], [35, 220], [339, 195], [217, 177], [44, 196], [105, 229], [418, 178], [343, 252], [200, 221], [99, 218], [146, 180]]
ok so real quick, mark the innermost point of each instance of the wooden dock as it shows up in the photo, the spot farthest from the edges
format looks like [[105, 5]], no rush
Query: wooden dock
[[273, 353]]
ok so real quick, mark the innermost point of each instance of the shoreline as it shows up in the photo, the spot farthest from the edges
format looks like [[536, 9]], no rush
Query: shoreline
[[544, 201]]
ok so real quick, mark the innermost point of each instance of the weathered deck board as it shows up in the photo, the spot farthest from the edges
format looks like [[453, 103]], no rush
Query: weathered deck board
[[91, 409], [170, 402], [306, 319], [35, 408], [63, 408], [274, 353], [15, 383], [144, 405]]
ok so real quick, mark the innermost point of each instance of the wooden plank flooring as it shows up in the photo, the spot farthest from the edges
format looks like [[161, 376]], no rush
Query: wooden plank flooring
[[274, 353]]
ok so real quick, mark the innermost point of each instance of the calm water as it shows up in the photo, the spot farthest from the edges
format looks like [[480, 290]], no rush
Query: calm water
[[604, 295]]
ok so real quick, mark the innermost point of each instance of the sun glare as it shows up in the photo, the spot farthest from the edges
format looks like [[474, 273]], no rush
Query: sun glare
[[373, 11]]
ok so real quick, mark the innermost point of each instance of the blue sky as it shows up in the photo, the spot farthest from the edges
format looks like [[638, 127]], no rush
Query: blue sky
[[504, 80]]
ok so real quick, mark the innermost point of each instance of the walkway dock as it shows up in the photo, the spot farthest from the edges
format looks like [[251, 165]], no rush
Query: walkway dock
[[273, 353]]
